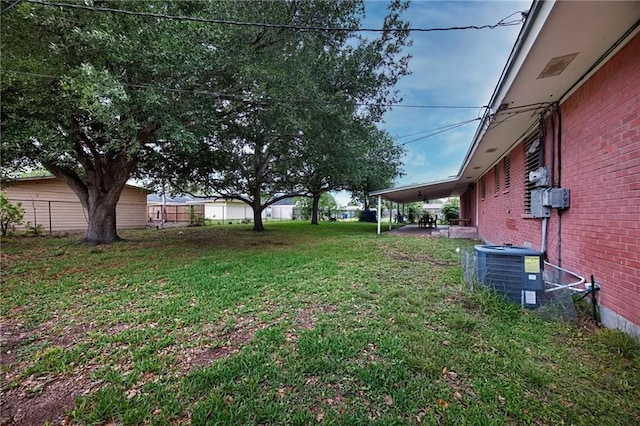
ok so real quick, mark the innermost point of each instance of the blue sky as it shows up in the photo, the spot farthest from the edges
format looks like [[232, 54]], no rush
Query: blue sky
[[457, 68]]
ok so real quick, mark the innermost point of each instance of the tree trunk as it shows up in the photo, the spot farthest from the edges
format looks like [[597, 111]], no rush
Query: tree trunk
[[98, 193], [102, 220], [314, 208], [257, 220], [257, 213]]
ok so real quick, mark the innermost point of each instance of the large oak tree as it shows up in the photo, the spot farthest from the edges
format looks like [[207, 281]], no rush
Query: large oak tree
[[97, 97], [90, 95], [304, 94]]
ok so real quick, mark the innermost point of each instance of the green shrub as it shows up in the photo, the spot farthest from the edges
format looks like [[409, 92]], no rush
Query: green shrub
[[10, 214]]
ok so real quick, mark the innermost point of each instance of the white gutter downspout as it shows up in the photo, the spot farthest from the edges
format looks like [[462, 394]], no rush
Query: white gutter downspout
[[379, 213]]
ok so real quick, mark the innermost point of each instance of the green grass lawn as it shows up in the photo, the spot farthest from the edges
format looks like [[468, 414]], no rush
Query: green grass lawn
[[301, 324]]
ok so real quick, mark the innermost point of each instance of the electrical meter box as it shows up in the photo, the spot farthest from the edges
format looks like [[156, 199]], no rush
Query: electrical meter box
[[538, 206]]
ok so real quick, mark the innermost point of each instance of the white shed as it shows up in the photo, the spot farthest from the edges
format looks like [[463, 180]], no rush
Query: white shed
[[49, 202]]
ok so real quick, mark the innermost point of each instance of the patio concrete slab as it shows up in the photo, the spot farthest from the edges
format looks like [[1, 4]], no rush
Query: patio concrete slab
[[470, 232]]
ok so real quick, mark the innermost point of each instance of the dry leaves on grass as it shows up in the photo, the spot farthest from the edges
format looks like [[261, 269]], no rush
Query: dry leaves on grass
[[442, 403]]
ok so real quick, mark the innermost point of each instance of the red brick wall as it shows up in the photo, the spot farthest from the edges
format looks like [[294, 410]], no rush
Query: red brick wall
[[501, 215], [600, 163], [601, 166], [468, 205]]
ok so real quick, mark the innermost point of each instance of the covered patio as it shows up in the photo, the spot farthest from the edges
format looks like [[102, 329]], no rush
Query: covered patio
[[420, 231], [397, 197]]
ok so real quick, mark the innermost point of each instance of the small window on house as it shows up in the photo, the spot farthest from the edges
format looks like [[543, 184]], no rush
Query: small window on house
[[533, 161], [496, 177], [507, 172], [483, 189]]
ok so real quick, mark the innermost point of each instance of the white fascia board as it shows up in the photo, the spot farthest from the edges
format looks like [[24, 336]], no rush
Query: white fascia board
[[537, 17]]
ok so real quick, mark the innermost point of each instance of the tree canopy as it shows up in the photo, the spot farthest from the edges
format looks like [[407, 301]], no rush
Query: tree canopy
[[90, 96], [242, 112]]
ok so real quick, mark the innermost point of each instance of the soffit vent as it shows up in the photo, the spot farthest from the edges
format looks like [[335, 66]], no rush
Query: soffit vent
[[557, 65]]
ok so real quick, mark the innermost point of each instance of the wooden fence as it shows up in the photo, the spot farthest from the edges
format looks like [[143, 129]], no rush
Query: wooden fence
[[176, 213]]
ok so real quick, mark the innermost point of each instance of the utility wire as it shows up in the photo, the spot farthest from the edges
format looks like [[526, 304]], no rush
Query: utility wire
[[502, 23], [434, 107], [441, 130], [245, 97], [512, 112], [432, 130], [11, 6]]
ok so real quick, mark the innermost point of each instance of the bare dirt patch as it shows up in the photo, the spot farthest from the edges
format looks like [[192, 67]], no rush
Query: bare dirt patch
[[396, 254], [308, 317], [44, 402], [230, 341], [36, 400]]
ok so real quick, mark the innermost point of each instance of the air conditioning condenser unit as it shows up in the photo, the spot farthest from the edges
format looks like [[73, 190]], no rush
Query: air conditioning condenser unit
[[515, 272]]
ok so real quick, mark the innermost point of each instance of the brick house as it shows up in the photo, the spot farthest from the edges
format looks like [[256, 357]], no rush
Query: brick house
[[568, 103]]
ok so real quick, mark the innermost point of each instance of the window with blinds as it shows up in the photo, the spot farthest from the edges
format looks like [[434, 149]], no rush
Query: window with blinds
[[483, 189], [496, 177], [533, 160], [506, 166]]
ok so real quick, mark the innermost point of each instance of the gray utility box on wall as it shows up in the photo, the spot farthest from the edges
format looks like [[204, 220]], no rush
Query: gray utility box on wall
[[538, 208], [515, 272], [556, 198], [543, 200]]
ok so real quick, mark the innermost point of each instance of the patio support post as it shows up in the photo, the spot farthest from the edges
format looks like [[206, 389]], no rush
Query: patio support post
[[379, 215], [390, 214]]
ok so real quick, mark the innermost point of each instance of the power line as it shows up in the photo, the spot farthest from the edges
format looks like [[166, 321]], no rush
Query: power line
[[434, 107], [439, 130], [512, 112], [11, 6], [244, 97], [502, 23], [432, 130]]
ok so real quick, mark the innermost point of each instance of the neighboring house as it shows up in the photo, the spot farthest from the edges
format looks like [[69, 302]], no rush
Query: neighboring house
[[228, 210], [183, 209], [223, 210], [281, 210], [568, 104], [49, 202]]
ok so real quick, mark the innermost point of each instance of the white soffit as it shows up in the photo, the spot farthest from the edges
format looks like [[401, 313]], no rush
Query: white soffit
[[572, 38]]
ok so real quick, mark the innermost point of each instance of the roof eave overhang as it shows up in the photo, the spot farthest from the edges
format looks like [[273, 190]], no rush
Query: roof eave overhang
[[420, 192], [592, 30]]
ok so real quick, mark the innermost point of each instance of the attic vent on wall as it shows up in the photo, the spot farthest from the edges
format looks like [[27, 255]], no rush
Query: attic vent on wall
[[533, 160], [557, 65], [507, 171]]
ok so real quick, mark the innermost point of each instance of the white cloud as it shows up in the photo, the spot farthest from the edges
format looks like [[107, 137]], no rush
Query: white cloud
[[416, 160], [448, 68]]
